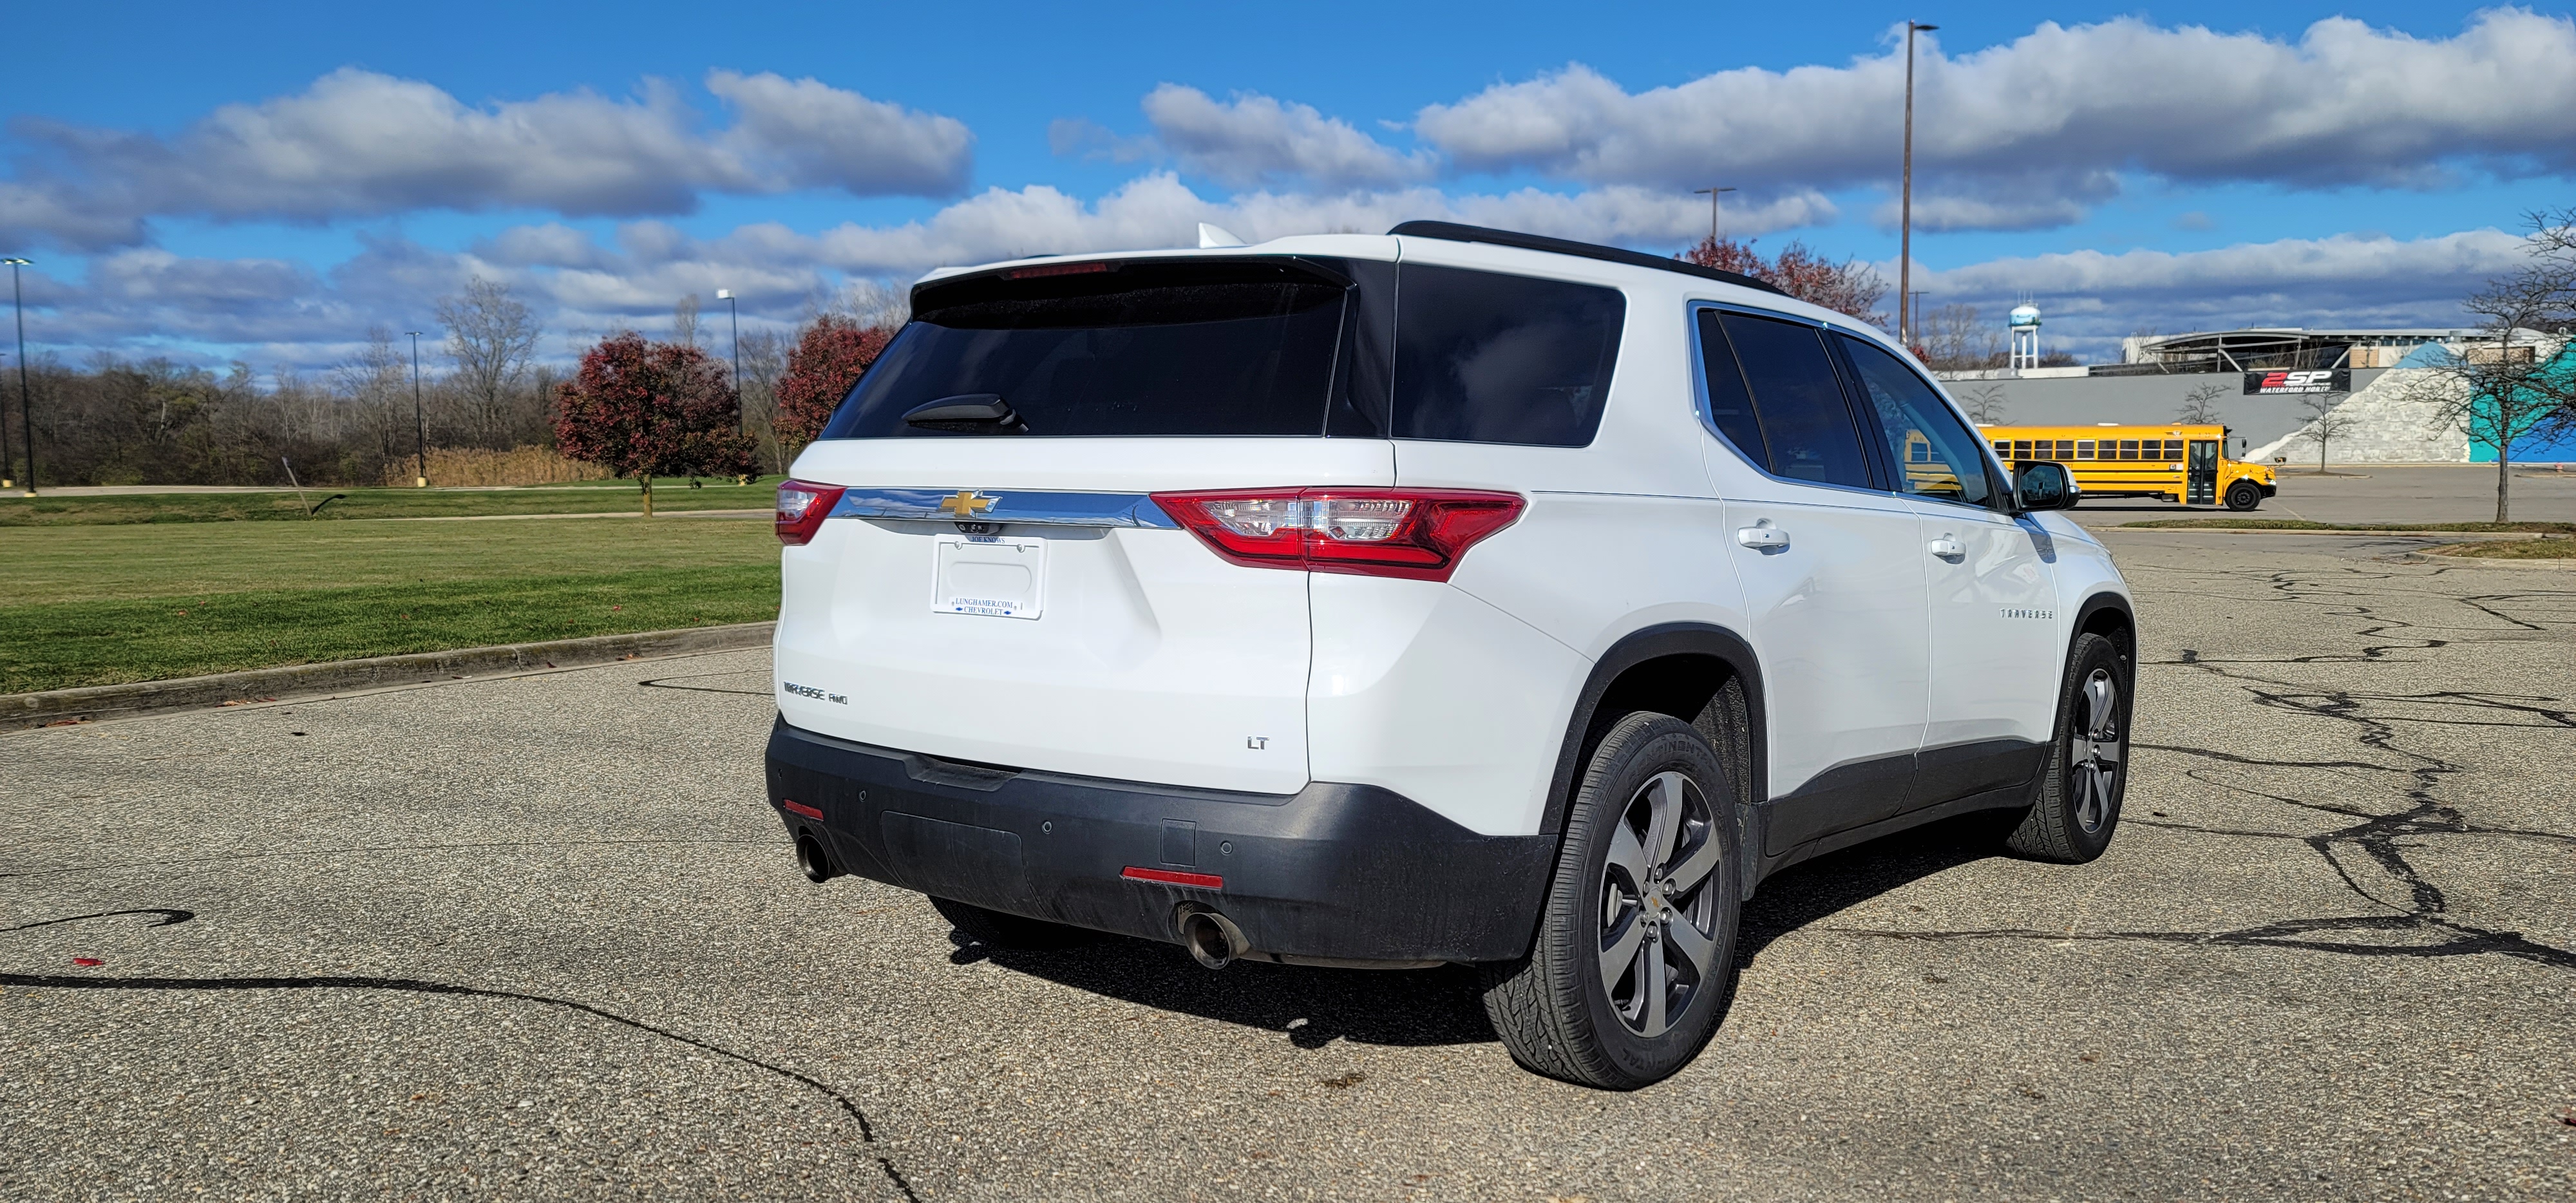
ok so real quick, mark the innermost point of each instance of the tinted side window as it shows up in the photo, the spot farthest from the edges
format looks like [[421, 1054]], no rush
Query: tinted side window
[[1482, 357], [1799, 401], [1730, 404], [1935, 454]]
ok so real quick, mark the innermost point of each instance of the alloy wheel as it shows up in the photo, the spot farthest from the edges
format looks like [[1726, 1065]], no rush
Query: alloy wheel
[[1658, 937], [2094, 768]]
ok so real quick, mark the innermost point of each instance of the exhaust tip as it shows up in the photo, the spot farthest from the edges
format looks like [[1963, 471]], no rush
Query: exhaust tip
[[1213, 939], [810, 857]]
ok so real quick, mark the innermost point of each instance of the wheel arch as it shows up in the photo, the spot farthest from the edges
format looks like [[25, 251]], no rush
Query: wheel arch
[[1675, 668], [2108, 614]]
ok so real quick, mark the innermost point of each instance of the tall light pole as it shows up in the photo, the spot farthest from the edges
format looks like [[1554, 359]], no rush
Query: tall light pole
[[733, 310], [8, 457], [1712, 210], [419, 424], [1905, 204], [26, 416]]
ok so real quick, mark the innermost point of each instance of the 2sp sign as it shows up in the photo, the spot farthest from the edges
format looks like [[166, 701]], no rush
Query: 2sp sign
[[2312, 380]]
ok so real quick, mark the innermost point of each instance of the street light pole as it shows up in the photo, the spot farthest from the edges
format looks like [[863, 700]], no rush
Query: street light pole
[[8, 456], [1712, 211], [1905, 204], [419, 425], [733, 310], [26, 416]]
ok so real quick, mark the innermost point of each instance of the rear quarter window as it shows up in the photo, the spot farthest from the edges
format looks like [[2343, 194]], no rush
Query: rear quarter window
[[1483, 357]]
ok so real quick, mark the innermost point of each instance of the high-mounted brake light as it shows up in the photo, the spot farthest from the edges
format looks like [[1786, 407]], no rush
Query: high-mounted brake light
[[1416, 534], [1055, 269], [802, 506]]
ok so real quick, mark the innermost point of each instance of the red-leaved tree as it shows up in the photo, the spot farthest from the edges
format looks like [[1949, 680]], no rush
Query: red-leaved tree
[[1849, 287], [645, 409], [830, 356]]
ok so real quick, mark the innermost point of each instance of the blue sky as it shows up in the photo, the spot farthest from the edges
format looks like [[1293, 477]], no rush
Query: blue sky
[[266, 183]]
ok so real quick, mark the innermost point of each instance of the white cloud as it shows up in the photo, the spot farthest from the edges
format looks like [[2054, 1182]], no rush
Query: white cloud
[[2091, 297], [584, 284], [1255, 140], [361, 144], [817, 136], [1159, 211], [2059, 111]]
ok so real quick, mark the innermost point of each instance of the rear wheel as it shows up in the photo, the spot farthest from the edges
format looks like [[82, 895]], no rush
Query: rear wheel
[[1636, 947], [2244, 495], [2078, 802], [999, 929]]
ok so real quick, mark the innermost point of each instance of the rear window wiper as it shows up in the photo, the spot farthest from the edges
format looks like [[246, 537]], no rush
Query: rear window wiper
[[970, 413]]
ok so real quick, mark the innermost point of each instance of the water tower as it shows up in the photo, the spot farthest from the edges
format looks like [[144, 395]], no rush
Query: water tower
[[2025, 336]]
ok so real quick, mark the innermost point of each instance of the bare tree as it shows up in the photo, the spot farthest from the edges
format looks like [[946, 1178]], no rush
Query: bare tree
[[2200, 405], [684, 321], [2518, 378], [873, 303], [2325, 423], [490, 336], [1955, 341], [764, 360], [1985, 405], [371, 383]]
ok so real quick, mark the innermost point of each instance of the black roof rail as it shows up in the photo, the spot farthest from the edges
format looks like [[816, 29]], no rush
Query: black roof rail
[[1453, 232]]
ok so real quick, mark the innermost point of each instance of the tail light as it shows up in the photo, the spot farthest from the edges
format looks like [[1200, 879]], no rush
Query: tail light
[[1416, 534], [802, 506]]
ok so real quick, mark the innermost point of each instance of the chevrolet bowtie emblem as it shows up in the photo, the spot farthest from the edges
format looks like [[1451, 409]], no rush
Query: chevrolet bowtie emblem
[[966, 504]]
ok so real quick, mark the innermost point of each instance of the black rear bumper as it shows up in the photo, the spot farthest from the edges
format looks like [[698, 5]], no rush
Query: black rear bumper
[[1334, 871]]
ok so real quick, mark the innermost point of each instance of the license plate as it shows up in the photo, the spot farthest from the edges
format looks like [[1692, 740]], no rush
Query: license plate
[[989, 575]]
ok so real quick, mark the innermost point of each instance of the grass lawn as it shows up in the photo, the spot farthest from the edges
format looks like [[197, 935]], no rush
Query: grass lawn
[[603, 497], [2501, 528], [99, 605], [2513, 549]]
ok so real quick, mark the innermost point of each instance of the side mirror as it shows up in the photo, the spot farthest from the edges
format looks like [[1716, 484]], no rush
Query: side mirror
[[2044, 485]]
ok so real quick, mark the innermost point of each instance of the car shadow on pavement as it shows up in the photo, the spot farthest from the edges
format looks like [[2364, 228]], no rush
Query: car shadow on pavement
[[1838, 881], [1313, 1006]]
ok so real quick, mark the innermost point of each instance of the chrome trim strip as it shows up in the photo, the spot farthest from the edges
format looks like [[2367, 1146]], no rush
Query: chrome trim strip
[[1023, 507]]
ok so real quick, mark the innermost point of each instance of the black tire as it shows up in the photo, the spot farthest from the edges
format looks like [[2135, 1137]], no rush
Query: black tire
[[2076, 806], [2244, 495], [1553, 1008], [999, 929]]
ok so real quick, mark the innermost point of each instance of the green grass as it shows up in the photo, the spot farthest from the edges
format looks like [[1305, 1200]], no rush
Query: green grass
[[2501, 528], [2513, 549], [605, 497], [99, 605]]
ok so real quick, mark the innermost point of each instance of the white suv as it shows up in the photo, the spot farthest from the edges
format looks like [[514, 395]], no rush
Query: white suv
[[1449, 596]]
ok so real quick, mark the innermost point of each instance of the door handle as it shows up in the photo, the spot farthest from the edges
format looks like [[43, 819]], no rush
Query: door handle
[[1947, 548], [1764, 538]]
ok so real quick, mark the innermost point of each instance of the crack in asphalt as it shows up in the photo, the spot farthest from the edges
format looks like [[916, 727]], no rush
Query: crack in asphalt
[[55, 981], [665, 683], [2376, 837], [374, 849], [168, 916]]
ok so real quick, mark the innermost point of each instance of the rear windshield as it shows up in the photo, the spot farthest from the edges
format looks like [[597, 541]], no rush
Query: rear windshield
[[1195, 347]]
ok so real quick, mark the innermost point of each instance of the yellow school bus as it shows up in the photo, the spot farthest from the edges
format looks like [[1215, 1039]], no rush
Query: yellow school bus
[[2186, 464]]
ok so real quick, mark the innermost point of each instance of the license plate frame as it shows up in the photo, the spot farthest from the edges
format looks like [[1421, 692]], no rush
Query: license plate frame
[[988, 576]]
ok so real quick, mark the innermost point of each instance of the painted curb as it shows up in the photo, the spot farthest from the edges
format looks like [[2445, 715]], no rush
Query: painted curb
[[20, 710]]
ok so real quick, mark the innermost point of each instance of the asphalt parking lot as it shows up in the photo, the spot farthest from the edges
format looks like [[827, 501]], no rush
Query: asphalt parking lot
[[539, 937]]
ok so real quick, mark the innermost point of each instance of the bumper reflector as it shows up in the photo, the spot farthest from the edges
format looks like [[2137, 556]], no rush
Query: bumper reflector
[[800, 808], [1205, 881]]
